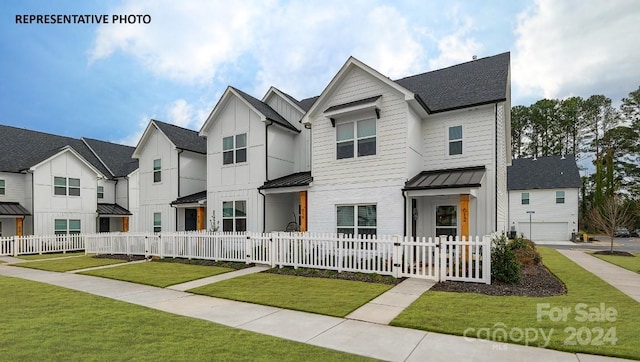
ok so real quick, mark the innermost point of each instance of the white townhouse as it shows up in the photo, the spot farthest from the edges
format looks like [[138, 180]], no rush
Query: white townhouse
[[543, 197], [51, 184], [423, 155], [172, 179]]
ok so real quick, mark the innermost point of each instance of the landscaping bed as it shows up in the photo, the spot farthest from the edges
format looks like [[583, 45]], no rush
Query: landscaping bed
[[332, 274]]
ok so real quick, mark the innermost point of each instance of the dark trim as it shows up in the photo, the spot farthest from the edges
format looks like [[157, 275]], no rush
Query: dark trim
[[266, 149], [300, 184], [496, 168], [496, 101], [264, 211], [404, 214], [287, 126], [353, 103], [421, 103], [333, 122], [180, 150], [440, 187]]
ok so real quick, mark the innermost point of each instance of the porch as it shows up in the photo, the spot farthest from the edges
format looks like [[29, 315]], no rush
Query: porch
[[12, 216], [285, 202], [113, 218], [191, 211]]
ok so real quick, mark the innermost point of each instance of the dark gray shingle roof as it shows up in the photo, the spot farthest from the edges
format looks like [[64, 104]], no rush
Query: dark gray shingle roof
[[446, 179], [477, 82], [308, 102], [295, 179], [21, 149], [183, 138], [116, 157], [549, 172], [266, 110]]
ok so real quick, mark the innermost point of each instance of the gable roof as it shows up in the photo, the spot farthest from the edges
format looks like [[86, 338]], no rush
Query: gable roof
[[116, 158], [477, 82], [308, 102], [294, 102], [21, 149], [266, 110], [549, 172], [183, 138]]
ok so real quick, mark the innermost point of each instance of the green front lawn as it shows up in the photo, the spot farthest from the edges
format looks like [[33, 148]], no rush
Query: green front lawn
[[68, 264], [50, 256], [628, 262], [42, 322], [158, 274], [477, 315], [332, 297]]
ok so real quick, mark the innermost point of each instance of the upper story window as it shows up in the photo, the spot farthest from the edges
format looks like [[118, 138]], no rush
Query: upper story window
[[356, 219], [234, 215], [66, 186], [64, 226], [524, 197], [157, 170], [2, 187], [100, 192], [356, 139], [157, 222], [455, 140], [234, 149], [559, 197]]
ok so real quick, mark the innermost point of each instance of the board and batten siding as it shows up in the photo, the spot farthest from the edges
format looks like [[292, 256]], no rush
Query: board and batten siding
[[236, 182], [47, 207], [193, 173], [543, 202], [281, 152], [501, 167], [109, 188], [15, 185]]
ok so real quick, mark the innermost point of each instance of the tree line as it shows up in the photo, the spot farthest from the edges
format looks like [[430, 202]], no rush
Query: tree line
[[590, 129]]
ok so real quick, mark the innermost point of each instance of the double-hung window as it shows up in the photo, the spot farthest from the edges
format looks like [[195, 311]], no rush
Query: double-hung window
[[234, 215], [234, 149], [157, 170], [455, 140], [2, 187], [157, 222], [559, 197], [524, 197], [356, 219], [356, 139], [100, 192], [64, 226], [66, 186]]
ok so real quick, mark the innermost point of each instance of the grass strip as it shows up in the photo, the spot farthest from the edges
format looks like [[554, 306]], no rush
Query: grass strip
[[42, 322], [68, 264], [332, 297], [158, 274], [50, 256], [628, 262], [561, 317]]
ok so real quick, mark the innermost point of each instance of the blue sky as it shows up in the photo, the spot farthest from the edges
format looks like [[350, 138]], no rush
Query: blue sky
[[106, 81]]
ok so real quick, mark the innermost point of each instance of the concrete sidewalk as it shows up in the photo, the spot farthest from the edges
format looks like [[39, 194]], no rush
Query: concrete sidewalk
[[352, 336], [625, 280]]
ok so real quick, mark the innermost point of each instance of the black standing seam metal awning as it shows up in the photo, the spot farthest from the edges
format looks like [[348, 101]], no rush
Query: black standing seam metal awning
[[191, 199], [112, 209], [446, 179], [294, 180], [13, 209]]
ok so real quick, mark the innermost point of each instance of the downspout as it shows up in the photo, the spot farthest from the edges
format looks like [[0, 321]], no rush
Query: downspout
[[495, 227], [33, 206], [175, 209], [266, 173], [264, 209], [404, 214]]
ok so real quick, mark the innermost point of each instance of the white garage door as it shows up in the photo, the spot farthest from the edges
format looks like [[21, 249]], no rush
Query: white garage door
[[545, 231]]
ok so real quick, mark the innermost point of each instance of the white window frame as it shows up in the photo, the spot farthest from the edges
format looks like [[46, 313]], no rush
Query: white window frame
[[157, 170], [435, 219], [67, 229], [235, 150], [563, 198], [100, 192], [450, 140], [522, 198], [340, 229], [157, 222], [3, 186], [234, 216], [355, 140], [67, 188]]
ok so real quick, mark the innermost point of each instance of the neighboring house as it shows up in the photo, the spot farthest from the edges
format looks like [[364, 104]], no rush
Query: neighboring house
[[549, 188], [424, 155], [53, 184], [172, 179]]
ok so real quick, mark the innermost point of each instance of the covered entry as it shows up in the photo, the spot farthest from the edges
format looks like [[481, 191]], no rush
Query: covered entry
[[444, 202], [285, 202], [113, 218], [191, 211], [12, 216]]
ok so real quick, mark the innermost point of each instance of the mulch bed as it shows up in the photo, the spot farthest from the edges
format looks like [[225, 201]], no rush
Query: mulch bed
[[120, 257], [222, 264], [615, 252], [536, 281], [332, 274]]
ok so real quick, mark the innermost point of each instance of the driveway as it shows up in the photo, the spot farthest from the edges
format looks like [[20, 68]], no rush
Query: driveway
[[631, 245]]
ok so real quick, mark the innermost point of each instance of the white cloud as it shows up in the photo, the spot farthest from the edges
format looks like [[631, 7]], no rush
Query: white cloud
[[458, 46], [133, 138], [180, 113], [568, 48]]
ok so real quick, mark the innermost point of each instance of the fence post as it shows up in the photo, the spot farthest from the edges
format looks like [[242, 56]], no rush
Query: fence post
[[486, 259], [273, 249], [442, 250], [247, 248], [14, 245], [396, 261]]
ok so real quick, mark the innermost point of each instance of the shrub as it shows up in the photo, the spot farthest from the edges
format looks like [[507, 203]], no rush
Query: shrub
[[525, 250], [505, 266]]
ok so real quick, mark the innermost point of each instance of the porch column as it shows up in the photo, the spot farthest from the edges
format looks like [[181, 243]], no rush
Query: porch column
[[200, 224], [125, 224], [303, 211], [19, 226], [464, 214]]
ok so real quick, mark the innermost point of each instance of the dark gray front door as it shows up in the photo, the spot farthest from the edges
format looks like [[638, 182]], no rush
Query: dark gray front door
[[105, 225], [190, 219]]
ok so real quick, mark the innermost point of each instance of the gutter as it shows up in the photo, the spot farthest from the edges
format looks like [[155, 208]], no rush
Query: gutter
[[495, 227]]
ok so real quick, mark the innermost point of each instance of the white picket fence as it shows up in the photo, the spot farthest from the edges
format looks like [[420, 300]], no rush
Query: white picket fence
[[431, 258], [39, 244]]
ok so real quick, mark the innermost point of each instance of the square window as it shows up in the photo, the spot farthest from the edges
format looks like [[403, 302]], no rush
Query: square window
[[234, 149], [524, 197], [356, 219], [60, 226], [234, 216], [59, 186], [559, 197], [74, 227], [352, 135], [74, 187]]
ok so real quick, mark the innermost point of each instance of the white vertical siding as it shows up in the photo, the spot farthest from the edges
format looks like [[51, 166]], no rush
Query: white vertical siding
[[133, 185], [281, 149], [543, 202], [193, 173], [415, 145], [109, 191], [285, 109], [122, 192], [501, 168]]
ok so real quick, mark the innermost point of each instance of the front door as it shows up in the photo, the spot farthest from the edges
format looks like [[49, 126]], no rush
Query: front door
[[446, 220], [190, 219], [105, 225]]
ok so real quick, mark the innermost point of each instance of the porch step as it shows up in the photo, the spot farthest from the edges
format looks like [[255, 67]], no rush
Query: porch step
[[388, 305]]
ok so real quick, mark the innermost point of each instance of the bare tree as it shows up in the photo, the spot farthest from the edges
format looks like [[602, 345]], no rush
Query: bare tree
[[612, 214]]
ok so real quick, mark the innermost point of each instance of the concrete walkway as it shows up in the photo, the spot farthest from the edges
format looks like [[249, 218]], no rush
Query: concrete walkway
[[625, 280], [217, 278], [352, 336]]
